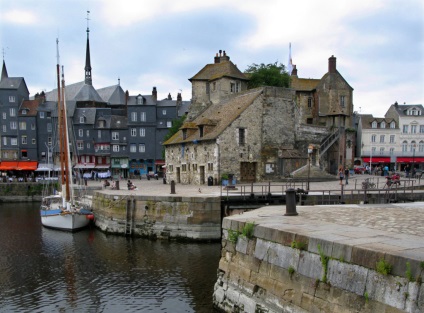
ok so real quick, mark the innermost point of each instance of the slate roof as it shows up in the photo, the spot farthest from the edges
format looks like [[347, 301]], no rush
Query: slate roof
[[118, 122], [183, 109], [401, 109], [218, 70], [77, 92], [148, 100], [89, 115], [221, 114], [112, 94], [368, 119]]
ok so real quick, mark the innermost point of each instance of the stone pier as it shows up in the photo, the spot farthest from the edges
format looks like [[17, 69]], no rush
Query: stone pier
[[347, 258]]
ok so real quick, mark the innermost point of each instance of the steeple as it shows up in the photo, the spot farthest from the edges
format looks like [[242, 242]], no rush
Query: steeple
[[88, 80], [3, 72]]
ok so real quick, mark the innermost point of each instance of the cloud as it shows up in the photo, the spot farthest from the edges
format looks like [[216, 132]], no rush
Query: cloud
[[19, 16]]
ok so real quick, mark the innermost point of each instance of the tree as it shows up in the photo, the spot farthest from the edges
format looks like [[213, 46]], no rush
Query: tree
[[272, 74], [176, 125]]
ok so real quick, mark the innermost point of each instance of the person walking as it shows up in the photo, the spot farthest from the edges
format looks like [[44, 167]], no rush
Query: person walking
[[341, 175], [346, 173]]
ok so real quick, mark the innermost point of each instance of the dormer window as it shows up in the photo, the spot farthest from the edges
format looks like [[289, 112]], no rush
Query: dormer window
[[383, 124], [82, 119], [24, 112], [392, 125], [184, 133], [140, 100], [102, 123], [374, 124]]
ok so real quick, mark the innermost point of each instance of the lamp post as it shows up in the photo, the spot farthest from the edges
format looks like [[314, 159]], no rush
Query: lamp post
[[413, 159], [310, 149]]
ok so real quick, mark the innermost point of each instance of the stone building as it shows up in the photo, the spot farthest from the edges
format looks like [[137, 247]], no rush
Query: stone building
[[260, 134]]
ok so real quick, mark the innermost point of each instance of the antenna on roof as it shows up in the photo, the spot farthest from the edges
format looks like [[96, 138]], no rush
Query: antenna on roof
[[88, 19]]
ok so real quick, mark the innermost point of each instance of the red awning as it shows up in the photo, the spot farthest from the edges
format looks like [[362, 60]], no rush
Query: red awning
[[8, 165], [377, 160], [409, 160], [27, 166], [160, 162]]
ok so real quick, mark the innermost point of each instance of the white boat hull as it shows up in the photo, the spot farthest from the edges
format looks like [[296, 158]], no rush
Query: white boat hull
[[68, 221]]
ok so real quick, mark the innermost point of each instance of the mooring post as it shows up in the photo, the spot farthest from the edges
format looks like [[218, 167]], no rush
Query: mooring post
[[291, 202], [172, 187]]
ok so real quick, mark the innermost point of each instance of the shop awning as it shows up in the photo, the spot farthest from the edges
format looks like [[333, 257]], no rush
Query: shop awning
[[103, 166], [159, 162], [84, 166], [409, 160], [27, 166], [8, 165], [377, 160], [44, 167]]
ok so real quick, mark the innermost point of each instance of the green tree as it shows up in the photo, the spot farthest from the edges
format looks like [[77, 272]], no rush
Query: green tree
[[176, 125], [272, 74]]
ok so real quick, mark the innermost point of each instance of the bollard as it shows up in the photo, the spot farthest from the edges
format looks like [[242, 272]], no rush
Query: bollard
[[117, 185], [290, 202], [172, 187]]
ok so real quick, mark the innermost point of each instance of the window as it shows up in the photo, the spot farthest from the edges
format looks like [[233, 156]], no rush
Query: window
[[169, 124], [413, 129], [133, 132], [383, 124], [12, 125], [115, 148], [32, 126], [183, 167], [232, 87], [142, 132], [4, 128], [241, 135], [342, 101], [80, 132], [99, 134], [404, 146], [392, 138], [4, 141], [88, 145], [141, 147], [381, 151], [405, 129], [164, 112], [22, 125], [422, 129], [374, 124], [115, 136], [238, 86], [4, 115], [139, 100], [310, 102], [80, 145], [24, 112], [143, 116], [392, 151], [24, 140], [373, 149], [207, 88], [12, 99], [413, 146], [381, 138], [210, 167], [392, 125], [49, 127], [12, 112], [82, 119], [421, 146], [42, 114], [14, 141], [133, 116], [133, 148], [87, 133], [102, 123], [24, 153], [194, 167], [373, 138], [33, 141]]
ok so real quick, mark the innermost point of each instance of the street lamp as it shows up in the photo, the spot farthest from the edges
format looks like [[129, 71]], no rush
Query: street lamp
[[413, 159], [310, 149]]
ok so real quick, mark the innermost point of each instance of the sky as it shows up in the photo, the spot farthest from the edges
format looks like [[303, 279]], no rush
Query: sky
[[379, 44]]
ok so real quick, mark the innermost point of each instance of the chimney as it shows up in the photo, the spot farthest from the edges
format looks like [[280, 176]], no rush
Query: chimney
[[179, 98], [216, 59], [154, 94], [225, 57], [220, 53], [169, 96], [294, 71], [332, 64], [127, 96]]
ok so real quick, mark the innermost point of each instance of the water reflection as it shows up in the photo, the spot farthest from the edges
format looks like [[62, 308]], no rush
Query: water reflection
[[45, 270]]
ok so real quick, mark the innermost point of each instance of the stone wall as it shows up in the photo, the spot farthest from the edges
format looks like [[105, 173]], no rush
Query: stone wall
[[279, 271], [192, 218]]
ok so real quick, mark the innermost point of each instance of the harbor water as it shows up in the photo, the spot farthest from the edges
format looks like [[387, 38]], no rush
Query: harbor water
[[44, 270]]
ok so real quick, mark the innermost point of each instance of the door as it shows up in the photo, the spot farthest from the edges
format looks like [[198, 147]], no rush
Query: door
[[202, 175], [178, 175], [248, 172]]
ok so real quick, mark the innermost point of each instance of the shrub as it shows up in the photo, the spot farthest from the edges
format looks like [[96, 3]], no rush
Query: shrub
[[383, 267]]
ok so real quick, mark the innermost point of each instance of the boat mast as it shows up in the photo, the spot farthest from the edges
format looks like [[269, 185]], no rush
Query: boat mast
[[60, 113], [65, 143]]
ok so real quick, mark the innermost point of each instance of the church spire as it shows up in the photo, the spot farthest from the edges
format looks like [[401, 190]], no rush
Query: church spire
[[3, 70], [88, 79]]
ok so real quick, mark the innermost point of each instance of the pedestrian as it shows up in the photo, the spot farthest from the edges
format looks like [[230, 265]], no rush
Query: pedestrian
[[341, 175], [346, 173], [407, 171]]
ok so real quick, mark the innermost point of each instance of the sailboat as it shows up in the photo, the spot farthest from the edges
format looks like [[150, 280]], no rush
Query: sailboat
[[59, 210]]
